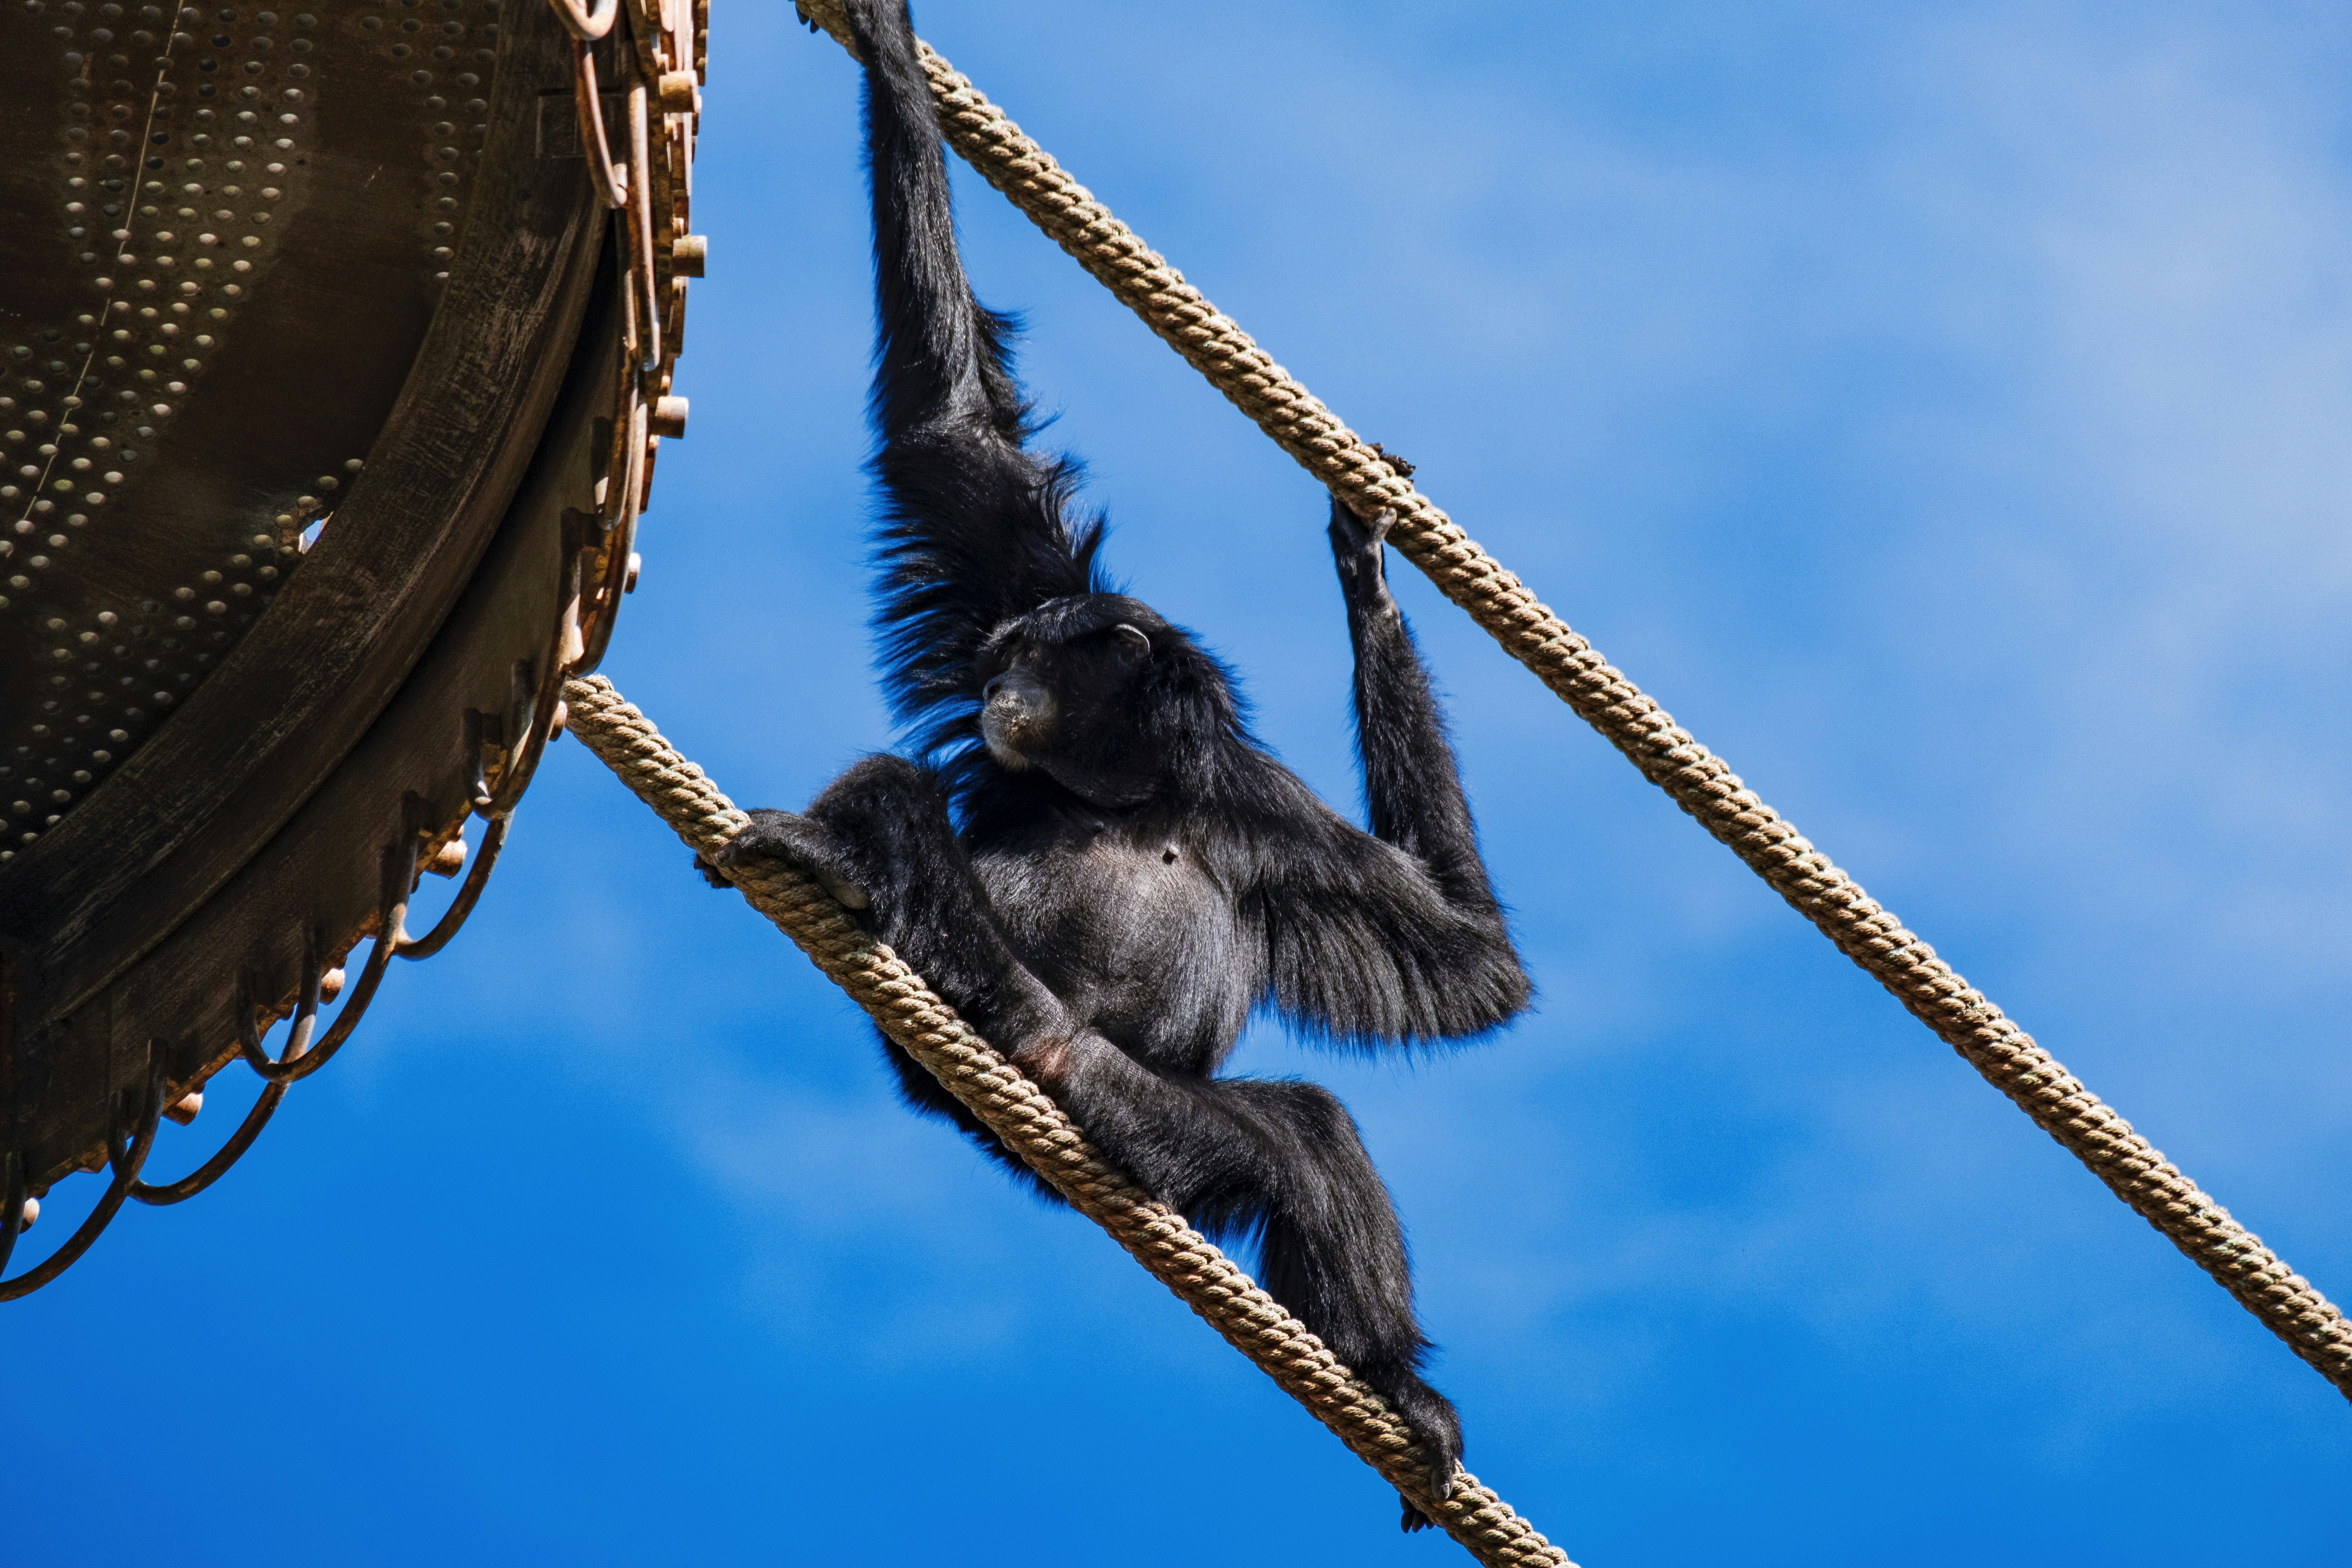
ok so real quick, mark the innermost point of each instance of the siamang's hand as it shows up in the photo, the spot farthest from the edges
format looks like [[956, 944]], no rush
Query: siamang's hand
[[799, 843], [1356, 549]]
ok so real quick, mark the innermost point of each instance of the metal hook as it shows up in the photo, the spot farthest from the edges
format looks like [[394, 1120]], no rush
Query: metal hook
[[297, 1033], [126, 1163], [300, 1058], [212, 1170], [480, 732], [585, 24], [478, 876], [612, 182]]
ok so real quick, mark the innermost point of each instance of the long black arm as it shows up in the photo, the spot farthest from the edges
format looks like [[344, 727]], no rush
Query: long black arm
[[940, 354], [1395, 935], [975, 533], [1412, 790]]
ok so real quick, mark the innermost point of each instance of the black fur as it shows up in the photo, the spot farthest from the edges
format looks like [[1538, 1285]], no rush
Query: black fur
[[1133, 874]]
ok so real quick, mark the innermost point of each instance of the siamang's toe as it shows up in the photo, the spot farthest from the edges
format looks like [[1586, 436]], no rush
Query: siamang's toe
[[848, 895], [1441, 1487], [1437, 1429], [711, 874], [1446, 1466]]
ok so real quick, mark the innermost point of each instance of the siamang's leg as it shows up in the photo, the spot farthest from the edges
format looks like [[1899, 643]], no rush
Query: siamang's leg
[[1285, 1160], [1332, 1252], [1411, 786]]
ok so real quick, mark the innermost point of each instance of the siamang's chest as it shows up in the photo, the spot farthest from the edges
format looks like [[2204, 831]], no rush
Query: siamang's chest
[[1129, 926]]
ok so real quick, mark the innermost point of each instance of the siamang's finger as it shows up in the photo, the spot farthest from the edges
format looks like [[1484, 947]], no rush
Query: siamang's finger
[[1350, 536], [1343, 522]]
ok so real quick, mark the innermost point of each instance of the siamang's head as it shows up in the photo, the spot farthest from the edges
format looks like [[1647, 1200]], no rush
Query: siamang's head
[[1099, 693]]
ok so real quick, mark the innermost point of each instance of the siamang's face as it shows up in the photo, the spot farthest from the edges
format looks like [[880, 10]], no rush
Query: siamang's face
[[1050, 693]]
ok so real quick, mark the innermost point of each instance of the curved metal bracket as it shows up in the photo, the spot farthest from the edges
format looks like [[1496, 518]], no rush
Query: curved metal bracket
[[399, 877], [478, 876], [126, 1162], [212, 1170], [588, 99], [587, 23]]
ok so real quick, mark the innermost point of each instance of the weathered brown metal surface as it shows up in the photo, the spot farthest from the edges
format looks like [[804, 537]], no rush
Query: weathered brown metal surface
[[351, 263], [223, 237], [191, 806]]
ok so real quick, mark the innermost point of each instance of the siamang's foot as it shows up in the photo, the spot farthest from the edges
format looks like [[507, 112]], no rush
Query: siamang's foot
[[808, 11], [1435, 1426], [711, 874], [788, 836]]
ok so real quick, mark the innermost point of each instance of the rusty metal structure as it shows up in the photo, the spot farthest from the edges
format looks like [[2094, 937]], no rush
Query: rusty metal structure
[[336, 341]]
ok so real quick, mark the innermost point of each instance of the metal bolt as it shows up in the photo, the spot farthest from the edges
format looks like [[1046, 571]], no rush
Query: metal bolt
[[690, 254], [669, 417], [678, 94]]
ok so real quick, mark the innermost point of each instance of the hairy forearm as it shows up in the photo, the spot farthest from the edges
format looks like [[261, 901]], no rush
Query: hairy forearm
[[1411, 788]]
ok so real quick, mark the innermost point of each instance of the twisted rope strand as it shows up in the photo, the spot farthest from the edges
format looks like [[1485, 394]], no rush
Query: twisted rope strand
[[1698, 780], [1034, 1127]]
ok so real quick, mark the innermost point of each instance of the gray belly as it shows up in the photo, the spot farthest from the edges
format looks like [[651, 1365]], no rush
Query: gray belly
[[1138, 939]]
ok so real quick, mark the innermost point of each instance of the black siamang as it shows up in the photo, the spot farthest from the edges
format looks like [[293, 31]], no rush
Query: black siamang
[[1099, 866]]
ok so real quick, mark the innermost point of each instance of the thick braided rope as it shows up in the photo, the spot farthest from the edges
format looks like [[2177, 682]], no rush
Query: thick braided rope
[[1698, 781], [1034, 1127]]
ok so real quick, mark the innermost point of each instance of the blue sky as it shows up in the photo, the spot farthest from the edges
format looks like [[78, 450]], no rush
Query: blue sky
[[1945, 410]]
